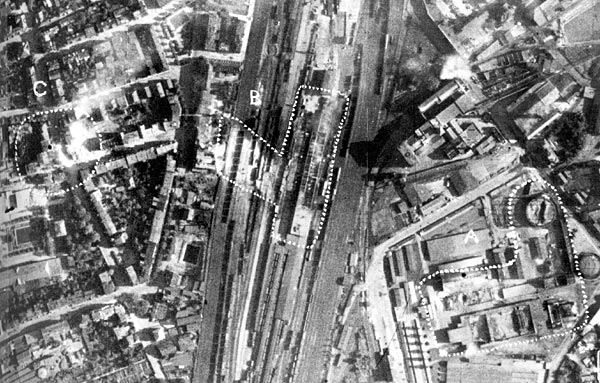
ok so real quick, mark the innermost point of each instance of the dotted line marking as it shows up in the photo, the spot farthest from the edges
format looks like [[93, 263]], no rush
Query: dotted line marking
[[294, 109], [234, 182], [257, 136], [510, 212], [331, 156], [246, 190], [219, 131], [47, 112], [327, 198], [330, 169], [279, 238]]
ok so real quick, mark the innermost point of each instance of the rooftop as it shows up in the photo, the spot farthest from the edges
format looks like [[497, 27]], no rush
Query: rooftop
[[458, 246], [496, 370], [31, 272]]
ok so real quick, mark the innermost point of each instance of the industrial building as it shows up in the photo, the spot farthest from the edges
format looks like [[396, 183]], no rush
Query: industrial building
[[456, 247], [496, 370]]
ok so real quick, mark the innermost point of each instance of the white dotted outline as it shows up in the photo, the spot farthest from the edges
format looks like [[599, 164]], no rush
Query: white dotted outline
[[234, 182], [254, 134], [281, 152], [511, 202], [294, 111], [246, 190], [330, 172], [47, 112], [327, 197]]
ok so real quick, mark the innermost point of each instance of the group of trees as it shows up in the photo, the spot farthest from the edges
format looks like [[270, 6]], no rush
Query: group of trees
[[570, 132], [81, 233], [131, 210], [121, 207], [498, 13], [29, 146], [137, 306], [568, 372]]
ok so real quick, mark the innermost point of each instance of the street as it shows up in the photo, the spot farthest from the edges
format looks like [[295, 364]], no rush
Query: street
[[65, 310]]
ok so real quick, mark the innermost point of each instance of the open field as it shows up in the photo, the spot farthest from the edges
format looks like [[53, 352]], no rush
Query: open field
[[584, 27]]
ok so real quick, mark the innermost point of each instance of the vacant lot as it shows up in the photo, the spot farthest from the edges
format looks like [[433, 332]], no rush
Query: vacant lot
[[584, 27]]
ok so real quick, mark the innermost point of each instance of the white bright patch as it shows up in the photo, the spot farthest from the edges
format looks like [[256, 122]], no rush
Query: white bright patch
[[463, 8], [37, 197], [456, 67], [445, 10], [81, 132], [311, 103], [219, 155], [64, 160]]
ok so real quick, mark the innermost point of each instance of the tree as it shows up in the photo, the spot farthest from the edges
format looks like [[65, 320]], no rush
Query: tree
[[498, 13], [431, 82], [126, 299], [141, 308], [569, 372], [95, 238], [80, 212], [89, 228], [570, 132]]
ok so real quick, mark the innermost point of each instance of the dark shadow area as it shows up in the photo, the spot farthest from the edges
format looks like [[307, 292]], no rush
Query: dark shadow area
[[387, 270], [29, 147], [439, 154], [192, 80], [389, 155], [186, 140], [594, 73], [381, 151], [430, 29], [364, 153], [442, 336], [382, 371]]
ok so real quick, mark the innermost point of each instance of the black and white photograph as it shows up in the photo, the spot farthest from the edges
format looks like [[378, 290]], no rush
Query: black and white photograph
[[299, 191]]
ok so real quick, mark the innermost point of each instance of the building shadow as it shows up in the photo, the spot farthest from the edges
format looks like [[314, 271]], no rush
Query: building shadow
[[381, 151]]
